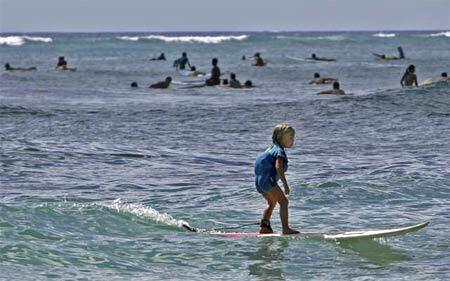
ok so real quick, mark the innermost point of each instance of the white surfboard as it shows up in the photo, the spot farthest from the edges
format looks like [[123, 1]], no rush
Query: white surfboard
[[364, 234]]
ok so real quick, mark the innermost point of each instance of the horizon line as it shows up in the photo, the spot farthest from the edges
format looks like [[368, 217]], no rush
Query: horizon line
[[228, 31]]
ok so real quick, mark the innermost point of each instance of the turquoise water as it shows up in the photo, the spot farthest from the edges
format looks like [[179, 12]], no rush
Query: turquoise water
[[97, 178]]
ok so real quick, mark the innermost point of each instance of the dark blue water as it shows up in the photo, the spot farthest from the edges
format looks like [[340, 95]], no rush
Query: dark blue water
[[96, 178]]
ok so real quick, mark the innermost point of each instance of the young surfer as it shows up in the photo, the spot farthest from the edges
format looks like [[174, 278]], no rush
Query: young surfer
[[270, 167]]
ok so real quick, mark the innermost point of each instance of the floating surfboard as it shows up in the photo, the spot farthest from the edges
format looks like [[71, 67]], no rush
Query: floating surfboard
[[364, 234]]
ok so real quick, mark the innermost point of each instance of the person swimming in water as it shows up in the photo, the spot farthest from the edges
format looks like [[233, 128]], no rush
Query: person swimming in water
[[234, 83], [444, 77], [162, 56], [401, 55], [195, 72], [215, 74], [248, 84], [163, 84], [181, 62], [335, 91], [8, 67], [409, 78], [314, 57], [134, 84], [258, 60], [321, 80]]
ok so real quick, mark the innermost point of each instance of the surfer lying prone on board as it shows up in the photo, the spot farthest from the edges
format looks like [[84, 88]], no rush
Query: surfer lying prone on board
[[335, 91], [401, 55], [314, 57], [163, 84], [270, 167], [8, 67], [321, 80]]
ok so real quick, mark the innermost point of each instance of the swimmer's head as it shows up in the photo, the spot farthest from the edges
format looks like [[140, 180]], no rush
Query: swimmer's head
[[248, 84], [225, 82], [283, 135], [444, 74], [214, 61], [7, 66], [316, 75], [411, 68], [313, 56], [168, 79], [336, 85], [257, 55], [184, 54], [232, 76], [134, 85], [193, 68]]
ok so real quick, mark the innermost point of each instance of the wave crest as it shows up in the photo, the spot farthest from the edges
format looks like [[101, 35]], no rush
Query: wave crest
[[440, 34], [20, 40], [384, 35], [186, 39]]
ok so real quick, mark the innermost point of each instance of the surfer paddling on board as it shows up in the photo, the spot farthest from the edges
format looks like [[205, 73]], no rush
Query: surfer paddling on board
[[314, 57], [270, 167], [321, 80], [401, 55], [335, 91], [409, 78]]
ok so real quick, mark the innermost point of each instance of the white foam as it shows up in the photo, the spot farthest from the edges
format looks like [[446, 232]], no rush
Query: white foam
[[12, 41], [440, 34], [20, 40], [186, 39], [128, 38], [38, 39], [384, 35], [144, 212]]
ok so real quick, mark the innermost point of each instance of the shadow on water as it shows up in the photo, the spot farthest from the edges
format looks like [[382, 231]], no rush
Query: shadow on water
[[268, 259], [374, 252]]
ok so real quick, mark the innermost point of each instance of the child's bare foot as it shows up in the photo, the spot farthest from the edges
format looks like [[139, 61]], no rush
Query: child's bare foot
[[265, 230], [290, 231]]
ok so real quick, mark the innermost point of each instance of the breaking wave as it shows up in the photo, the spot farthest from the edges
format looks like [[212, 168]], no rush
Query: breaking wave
[[186, 39], [20, 40], [384, 35]]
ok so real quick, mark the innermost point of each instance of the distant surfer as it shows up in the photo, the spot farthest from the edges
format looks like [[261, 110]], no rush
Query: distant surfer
[[243, 58], [248, 84], [215, 74], [444, 77], [62, 64], [163, 84], [314, 57], [134, 85], [409, 78], [258, 60], [181, 62], [270, 167], [321, 80], [8, 67], [162, 56], [234, 83], [195, 72], [401, 55], [335, 91]]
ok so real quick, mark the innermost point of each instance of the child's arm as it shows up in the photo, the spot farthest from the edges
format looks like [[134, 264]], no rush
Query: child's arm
[[279, 167]]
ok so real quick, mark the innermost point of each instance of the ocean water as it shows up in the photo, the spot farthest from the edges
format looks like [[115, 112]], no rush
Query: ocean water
[[97, 178]]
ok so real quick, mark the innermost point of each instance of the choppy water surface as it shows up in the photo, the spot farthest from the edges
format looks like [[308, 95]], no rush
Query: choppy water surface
[[97, 178]]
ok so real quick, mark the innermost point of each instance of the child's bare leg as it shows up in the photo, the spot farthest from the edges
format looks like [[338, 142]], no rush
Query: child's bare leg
[[271, 203], [278, 194]]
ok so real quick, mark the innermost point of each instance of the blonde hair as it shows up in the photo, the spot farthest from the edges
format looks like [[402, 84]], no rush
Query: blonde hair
[[279, 132]]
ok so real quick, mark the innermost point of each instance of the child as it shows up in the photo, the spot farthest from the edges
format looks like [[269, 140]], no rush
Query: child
[[269, 168]]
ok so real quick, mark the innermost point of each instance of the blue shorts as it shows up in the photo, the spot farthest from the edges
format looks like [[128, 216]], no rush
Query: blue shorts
[[265, 183]]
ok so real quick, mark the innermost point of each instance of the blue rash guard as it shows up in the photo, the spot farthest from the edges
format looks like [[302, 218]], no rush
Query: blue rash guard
[[265, 173]]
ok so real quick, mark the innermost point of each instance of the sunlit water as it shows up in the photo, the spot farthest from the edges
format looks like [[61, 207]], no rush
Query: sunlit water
[[97, 178]]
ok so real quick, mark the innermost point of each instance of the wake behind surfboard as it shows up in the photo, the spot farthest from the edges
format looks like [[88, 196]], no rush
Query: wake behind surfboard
[[364, 234]]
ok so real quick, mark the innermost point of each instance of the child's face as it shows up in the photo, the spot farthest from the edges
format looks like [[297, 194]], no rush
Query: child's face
[[288, 139]]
